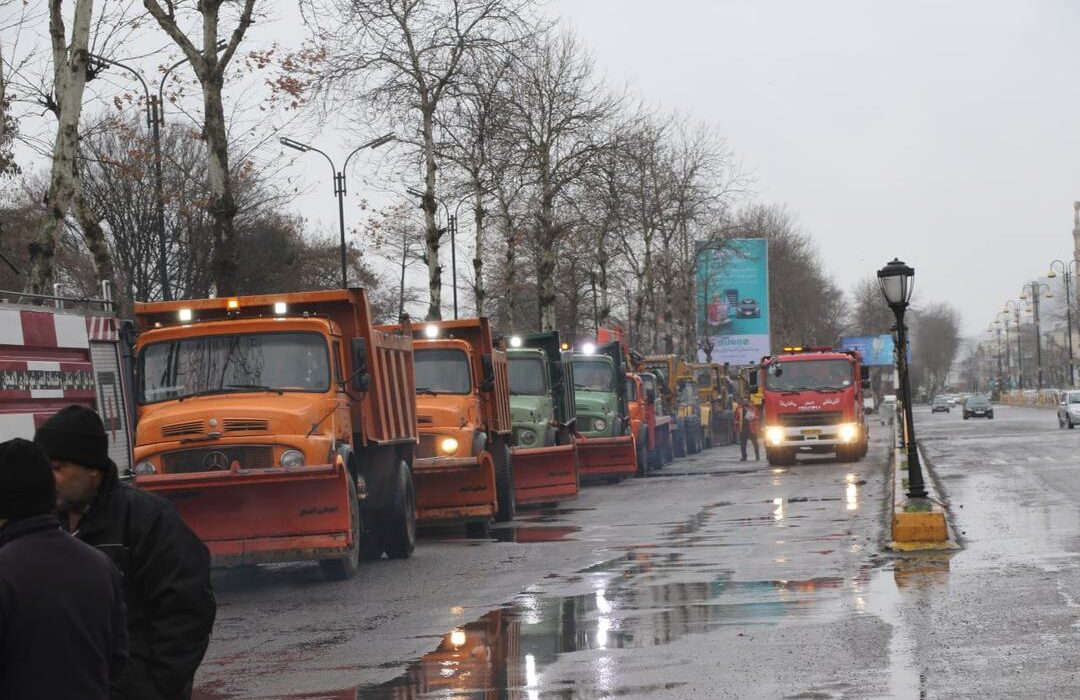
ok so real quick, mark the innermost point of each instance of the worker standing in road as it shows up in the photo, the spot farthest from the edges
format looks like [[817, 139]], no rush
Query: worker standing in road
[[62, 636], [746, 424], [166, 567]]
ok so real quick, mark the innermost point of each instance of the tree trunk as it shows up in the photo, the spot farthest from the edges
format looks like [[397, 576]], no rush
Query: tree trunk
[[478, 256], [69, 81], [223, 206], [511, 276], [432, 233], [604, 314], [545, 270], [95, 237]]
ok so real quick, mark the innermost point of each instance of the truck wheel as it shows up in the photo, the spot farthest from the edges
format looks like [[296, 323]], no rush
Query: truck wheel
[[345, 568], [668, 449], [642, 459], [397, 524], [479, 529], [504, 486]]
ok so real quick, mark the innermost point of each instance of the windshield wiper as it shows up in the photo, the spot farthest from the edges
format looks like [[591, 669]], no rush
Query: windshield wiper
[[205, 392], [425, 390], [228, 389], [254, 387]]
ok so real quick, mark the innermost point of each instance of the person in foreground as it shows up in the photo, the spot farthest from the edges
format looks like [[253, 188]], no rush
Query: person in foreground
[[63, 630], [166, 568]]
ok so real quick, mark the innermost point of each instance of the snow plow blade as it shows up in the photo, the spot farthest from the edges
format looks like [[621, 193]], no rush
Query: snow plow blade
[[607, 457], [258, 516], [454, 489], [545, 474]]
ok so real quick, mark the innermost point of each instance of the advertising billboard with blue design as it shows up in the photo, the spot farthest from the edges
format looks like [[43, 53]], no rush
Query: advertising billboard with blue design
[[876, 350], [733, 301]]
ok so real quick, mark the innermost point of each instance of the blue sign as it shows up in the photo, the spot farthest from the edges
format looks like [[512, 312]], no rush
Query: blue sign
[[733, 300], [874, 349]]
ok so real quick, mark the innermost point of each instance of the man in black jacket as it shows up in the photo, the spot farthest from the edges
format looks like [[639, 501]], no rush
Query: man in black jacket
[[166, 567], [62, 636]]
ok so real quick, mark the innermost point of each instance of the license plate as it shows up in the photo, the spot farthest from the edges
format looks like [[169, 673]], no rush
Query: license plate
[[812, 431]]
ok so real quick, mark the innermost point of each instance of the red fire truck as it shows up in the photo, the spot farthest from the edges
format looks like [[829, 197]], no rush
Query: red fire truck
[[813, 403]]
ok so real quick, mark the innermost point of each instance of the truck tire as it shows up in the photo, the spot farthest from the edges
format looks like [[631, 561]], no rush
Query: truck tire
[[642, 459], [344, 568], [397, 522], [780, 457], [693, 439], [478, 529], [504, 484]]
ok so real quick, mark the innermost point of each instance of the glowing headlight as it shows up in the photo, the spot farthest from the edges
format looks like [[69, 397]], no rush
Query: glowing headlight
[[588, 348], [527, 437], [515, 341], [185, 315], [599, 424], [774, 435], [431, 330], [280, 308], [448, 445], [848, 432], [292, 458], [457, 638], [144, 469]]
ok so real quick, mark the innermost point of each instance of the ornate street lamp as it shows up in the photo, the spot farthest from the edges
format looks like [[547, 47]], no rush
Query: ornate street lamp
[[896, 281], [1067, 269]]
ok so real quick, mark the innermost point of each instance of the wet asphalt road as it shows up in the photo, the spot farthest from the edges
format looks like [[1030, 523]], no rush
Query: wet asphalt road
[[716, 578]]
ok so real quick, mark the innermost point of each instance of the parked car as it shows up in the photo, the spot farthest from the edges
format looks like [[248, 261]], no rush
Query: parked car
[[749, 308], [978, 405], [1068, 412], [940, 405]]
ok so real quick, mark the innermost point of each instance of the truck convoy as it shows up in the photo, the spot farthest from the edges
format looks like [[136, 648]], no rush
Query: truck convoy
[[281, 426], [464, 470], [606, 449], [680, 393], [544, 419], [813, 403], [716, 419]]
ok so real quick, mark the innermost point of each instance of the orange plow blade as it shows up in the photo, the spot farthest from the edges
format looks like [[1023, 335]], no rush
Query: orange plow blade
[[450, 489], [545, 474], [254, 516], [604, 457]]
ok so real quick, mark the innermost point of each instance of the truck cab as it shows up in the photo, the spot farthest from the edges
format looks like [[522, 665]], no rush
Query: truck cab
[[716, 417], [813, 403], [680, 395], [464, 471], [543, 412], [650, 427], [280, 425], [607, 448]]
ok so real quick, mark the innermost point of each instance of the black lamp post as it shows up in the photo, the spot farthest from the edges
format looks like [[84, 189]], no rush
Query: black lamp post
[[896, 283], [1067, 273], [339, 186], [1036, 288]]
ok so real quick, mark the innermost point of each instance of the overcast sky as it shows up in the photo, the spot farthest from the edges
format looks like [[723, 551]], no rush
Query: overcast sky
[[945, 133]]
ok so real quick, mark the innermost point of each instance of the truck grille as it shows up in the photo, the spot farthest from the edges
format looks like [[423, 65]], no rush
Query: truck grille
[[218, 459], [246, 425], [194, 427], [815, 418], [426, 448]]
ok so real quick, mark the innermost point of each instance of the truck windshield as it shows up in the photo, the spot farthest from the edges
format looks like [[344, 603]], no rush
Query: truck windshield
[[703, 377], [527, 376], [222, 364], [809, 375], [442, 371], [593, 375]]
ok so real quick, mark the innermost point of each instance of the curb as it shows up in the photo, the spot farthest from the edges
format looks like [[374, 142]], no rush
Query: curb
[[918, 524]]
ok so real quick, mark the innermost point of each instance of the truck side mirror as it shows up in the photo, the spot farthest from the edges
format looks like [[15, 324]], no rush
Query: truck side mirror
[[650, 394], [866, 384], [488, 382], [864, 374], [752, 378], [361, 378]]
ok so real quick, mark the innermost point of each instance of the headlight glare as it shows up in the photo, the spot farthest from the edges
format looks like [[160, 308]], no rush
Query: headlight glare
[[292, 458], [848, 432], [599, 424], [774, 435], [448, 445]]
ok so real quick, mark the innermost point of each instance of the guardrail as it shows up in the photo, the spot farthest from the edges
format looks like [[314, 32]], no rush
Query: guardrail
[[1043, 398]]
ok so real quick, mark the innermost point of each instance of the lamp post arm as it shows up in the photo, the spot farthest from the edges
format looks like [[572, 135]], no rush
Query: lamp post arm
[[137, 74]]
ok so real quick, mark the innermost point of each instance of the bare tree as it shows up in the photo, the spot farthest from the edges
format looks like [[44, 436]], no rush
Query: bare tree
[[69, 63], [404, 59], [558, 110], [935, 342], [209, 64], [870, 315]]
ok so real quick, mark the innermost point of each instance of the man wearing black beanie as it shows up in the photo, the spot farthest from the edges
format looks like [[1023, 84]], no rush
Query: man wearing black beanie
[[166, 568], [86, 626]]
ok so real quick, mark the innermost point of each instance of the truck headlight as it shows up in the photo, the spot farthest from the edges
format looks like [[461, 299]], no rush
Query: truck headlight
[[527, 437], [774, 435], [848, 432], [599, 424], [292, 458], [448, 445], [145, 469]]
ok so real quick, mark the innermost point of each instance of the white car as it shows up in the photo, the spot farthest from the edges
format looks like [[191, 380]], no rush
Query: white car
[[1068, 412]]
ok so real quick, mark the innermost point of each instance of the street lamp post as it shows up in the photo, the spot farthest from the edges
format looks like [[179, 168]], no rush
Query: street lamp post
[[1012, 306], [1067, 273], [896, 283], [996, 328], [1036, 289], [339, 186]]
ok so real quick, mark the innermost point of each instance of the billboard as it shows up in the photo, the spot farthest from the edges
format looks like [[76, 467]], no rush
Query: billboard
[[875, 349], [733, 301]]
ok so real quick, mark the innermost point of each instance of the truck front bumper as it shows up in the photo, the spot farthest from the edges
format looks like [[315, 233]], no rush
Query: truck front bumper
[[813, 435]]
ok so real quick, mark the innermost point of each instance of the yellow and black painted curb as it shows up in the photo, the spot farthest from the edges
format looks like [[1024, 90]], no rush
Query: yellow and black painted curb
[[917, 524]]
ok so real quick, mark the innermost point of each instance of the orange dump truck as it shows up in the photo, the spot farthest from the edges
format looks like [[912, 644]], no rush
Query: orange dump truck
[[281, 426], [463, 464]]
